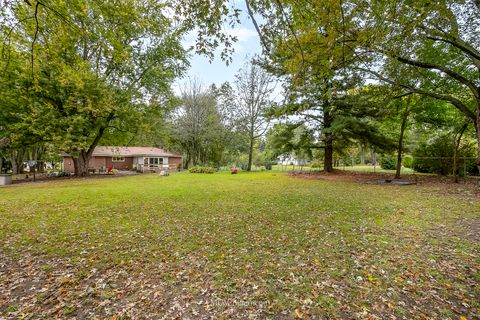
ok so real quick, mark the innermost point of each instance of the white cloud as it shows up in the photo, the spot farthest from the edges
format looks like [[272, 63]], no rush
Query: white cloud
[[242, 33]]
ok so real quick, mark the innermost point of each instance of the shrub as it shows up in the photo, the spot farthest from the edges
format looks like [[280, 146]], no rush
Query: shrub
[[388, 162], [407, 161], [265, 164], [201, 170], [436, 156], [316, 164], [194, 170], [208, 170]]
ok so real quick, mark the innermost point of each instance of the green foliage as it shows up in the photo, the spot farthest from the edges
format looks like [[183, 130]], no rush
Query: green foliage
[[80, 70], [388, 162], [198, 127], [316, 164], [407, 161], [426, 48], [201, 170], [289, 138], [436, 156]]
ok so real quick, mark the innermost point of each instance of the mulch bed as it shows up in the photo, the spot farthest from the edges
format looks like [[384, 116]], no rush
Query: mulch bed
[[466, 186]]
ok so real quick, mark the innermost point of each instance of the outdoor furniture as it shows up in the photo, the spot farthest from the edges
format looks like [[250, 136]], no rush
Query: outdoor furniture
[[109, 170], [91, 170]]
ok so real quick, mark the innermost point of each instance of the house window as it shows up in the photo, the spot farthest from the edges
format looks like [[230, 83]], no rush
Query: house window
[[118, 159], [153, 161]]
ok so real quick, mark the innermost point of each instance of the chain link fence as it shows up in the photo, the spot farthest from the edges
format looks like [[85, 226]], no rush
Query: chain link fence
[[466, 166]]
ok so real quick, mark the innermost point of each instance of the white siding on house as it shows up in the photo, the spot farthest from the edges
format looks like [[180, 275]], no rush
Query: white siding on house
[[287, 160]]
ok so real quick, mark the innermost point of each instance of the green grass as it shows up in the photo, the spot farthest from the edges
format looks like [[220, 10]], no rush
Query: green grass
[[361, 168], [301, 247], [367, 168]]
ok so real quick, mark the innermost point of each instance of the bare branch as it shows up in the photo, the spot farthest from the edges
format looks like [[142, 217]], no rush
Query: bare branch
[[255, 24]]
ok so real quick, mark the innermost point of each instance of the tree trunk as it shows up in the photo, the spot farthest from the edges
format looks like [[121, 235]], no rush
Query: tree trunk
[[186, 162], [328, 163], [400, 144], [250, 154], [81, 164], [374, 158], [457, 141], [328, 140], [477, 130], [40, 166], [362, 154], [18, 156]]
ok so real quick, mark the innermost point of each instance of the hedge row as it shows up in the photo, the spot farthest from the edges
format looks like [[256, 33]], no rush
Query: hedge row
[[201, 170]]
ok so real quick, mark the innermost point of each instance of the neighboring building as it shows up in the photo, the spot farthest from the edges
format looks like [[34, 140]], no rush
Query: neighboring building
[[129, 158], [286, 160]]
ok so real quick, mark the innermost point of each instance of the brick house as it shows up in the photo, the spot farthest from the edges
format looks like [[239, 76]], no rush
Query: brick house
[[129, 158]]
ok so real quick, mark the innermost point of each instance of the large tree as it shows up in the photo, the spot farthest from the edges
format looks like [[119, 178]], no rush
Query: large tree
[[438, 41], [303, 43], [197, 126], [254, 89], [93, 62]]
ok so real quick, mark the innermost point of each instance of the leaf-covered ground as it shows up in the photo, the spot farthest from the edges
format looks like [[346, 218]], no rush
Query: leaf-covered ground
[[259, 245]]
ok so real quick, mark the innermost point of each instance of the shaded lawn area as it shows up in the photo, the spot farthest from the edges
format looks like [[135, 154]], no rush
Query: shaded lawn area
[[236, 246]]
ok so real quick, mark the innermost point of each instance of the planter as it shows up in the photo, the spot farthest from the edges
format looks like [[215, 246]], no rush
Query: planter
[[5, 179]]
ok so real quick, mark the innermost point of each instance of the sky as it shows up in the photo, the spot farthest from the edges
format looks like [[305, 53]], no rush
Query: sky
[[217, 71]]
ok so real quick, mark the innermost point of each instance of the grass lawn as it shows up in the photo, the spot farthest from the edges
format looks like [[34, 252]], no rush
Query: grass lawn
[[367, 168], [251, 245], [360, 168]]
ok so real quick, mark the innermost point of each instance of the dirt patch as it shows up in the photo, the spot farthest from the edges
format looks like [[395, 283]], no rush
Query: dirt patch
[[470, 228], [468, 187]]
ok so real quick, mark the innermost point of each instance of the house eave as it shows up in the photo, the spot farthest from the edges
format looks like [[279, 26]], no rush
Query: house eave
[[128, 155]]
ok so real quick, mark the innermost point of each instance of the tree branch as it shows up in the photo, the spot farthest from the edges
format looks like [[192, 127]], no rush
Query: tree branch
[[454, 101], [255, 24], [458, 43], [443, 69], [35, 35], [99, 135]]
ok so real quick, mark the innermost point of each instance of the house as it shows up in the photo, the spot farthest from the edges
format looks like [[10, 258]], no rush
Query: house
[[129, 158], [287, 159]]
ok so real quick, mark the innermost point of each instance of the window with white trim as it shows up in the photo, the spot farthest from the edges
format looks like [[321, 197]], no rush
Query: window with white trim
[[118, 159], [153, 161]]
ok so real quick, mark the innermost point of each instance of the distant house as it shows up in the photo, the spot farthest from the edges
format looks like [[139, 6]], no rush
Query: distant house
[[129, 158], [287, 159]]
